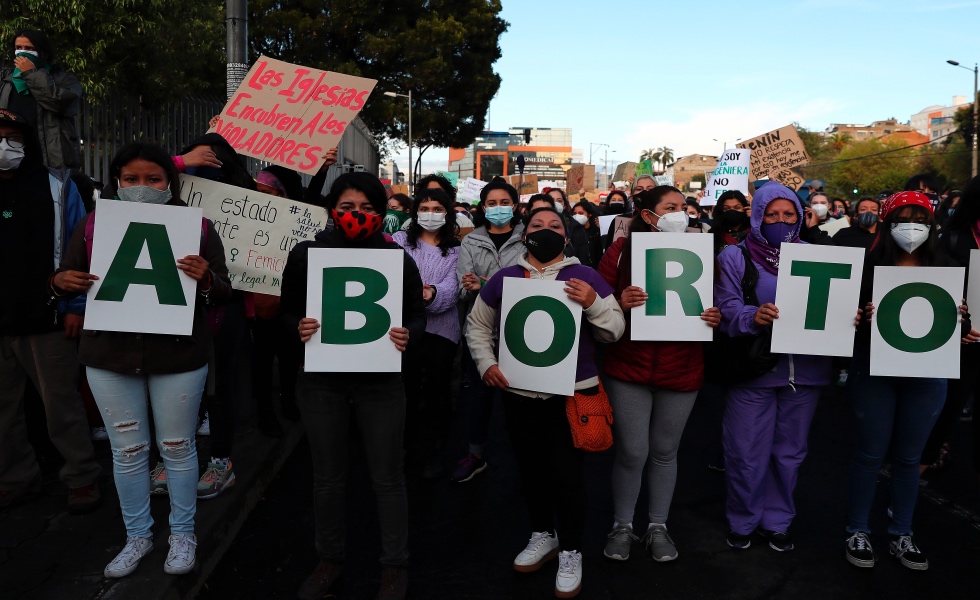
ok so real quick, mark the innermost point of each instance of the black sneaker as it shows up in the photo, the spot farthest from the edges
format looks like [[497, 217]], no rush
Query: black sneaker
[[780, 542], [738, 541], [904, 549], [858, 550]]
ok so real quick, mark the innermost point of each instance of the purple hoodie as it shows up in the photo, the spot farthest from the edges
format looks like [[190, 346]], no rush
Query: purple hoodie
[[738, 319]]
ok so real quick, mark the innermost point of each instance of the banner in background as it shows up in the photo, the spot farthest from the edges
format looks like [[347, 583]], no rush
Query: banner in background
[[732, 173]]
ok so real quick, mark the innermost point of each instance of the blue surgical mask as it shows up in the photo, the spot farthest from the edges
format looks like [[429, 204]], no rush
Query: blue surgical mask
[[500, 215]]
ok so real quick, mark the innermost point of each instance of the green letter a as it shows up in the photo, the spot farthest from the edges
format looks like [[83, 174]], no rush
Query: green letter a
[[336, 304], [163, 273], [658, 284]]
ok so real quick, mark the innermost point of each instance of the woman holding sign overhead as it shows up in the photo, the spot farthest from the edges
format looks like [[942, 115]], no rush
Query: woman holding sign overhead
[[652, 387], [330, 402], [134, 374], [537, 423], [893, 414], [767, 416]]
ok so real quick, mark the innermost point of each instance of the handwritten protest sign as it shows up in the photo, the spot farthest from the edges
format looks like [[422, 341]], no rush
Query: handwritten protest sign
[[788, 177], [539, 336], [781, 148], [452, 178], [291, 115], [470, 192], [916, 324], [257, 230], [625, 171], [356, 294], [732, 173], [529, 185], [644, 167], [817, 292], [663, 179], [677, 272], [578, 177], [135, 249]]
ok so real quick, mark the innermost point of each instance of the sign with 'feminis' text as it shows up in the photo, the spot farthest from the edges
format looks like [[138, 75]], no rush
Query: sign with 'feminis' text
[[291, 115], [539, 336], [356, 295], [257, 230], [135, 249], [676, 270]]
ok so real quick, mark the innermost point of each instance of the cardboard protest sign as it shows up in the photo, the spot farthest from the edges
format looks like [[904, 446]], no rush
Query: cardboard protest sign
[[916, 325], [732, 173], [291, 115], [135, 249], [625, 171], [400, 188], [470, 192], [452, 178], [539, 336], [676, 270], [777, 149], [791, 178], [579, 177], [257, 230], [357, 297], [592, 197], [527, 186], [644, 167], [817, 293]]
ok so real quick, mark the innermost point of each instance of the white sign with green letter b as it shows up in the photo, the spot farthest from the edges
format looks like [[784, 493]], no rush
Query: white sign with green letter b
[[134, 253]]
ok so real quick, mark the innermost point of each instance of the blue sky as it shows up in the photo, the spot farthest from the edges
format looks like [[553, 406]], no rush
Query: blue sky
[[635, 74]]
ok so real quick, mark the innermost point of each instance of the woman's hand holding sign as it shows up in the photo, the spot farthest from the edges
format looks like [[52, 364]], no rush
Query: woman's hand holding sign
[[399, 335], [712, 317], [766, 314], [494, 378], [581, 292], [73, 281], [307, 327], [196, 268], [632, 297]]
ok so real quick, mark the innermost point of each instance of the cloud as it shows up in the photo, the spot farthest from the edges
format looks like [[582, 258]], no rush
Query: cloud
[[695, 132]]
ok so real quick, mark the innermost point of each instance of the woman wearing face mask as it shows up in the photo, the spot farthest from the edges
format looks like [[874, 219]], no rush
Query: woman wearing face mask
[[431, 240], [330, 402], [766, 419], [652, 387], [864, 226], [617, 204], [132, 375], [551, 467], [694, 223], [731, 222], [586, 214], [893, 414], [399, 207], [579, 239], [483, 252]]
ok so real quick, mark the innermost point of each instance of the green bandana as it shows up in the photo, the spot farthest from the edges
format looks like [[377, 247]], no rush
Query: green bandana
[[18, 77], [394, 219]]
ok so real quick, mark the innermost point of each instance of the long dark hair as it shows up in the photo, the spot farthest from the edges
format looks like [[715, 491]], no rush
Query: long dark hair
[[448, 234], [885, 252], [590, 211], [647, 200], [442, 181], [150, 153], [968, 210], [41, 43]]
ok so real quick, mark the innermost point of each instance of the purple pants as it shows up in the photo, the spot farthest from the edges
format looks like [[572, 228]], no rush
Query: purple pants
[[765, 441]]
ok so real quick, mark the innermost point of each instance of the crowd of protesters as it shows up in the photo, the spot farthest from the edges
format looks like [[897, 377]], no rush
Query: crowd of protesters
[[455, 258]]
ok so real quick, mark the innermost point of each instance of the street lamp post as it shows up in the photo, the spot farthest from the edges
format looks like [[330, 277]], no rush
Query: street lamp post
[[411, 165], [973, 170], [724, 145], [592, 153]]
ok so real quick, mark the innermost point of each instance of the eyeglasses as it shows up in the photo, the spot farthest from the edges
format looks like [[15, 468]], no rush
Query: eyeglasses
[[14, 141]]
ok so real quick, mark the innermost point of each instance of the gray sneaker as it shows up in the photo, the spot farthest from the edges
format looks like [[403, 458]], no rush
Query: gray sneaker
[[659, 544], [619, 542]]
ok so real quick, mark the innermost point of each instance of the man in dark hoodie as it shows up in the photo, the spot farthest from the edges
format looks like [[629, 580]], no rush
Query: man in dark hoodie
[[38, 211], [376, 401]]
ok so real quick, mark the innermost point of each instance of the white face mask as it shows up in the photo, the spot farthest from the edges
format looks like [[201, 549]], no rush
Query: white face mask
[[820, 210], [10, 158], [144, 194], [431, 221], [581, 219], [910, 236], [675, 222], [31, 52], [559, 207]]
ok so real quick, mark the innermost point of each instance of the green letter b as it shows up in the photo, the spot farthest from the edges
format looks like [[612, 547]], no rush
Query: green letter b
[[162, 274], [561, 344], [336, 304], [944, 319], [658, 284]]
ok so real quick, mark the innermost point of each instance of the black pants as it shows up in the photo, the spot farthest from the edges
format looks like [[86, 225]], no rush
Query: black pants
[[221, 406], [957, 392], [376, 402], [428, 371], [271, 338], [551, 467]]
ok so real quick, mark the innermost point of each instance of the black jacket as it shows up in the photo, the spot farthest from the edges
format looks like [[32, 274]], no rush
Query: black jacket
[[854, 236]]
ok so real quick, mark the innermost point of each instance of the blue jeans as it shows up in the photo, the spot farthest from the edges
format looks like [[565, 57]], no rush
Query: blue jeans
[[896, 413], [174, 399]]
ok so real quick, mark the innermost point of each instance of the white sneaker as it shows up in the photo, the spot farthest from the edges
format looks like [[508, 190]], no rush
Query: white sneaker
[[182, 556], [99, 434], [205, 428], [129, 557], [568, 582], [542, 548]]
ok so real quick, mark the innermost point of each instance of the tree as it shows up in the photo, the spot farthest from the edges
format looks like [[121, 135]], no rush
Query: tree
[[820, 152], [839, 140], [441, 50], [873, 166], [159, 50], [666, 157], [648, 154]]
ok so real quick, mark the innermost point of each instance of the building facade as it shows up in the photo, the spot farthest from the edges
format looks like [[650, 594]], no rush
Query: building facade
[[936, 122], [686, 168], [547, 153], [860, 133]]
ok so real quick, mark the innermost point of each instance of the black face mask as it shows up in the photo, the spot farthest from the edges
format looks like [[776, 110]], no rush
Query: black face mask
[[544, 244], [694, 222], [732, 219]]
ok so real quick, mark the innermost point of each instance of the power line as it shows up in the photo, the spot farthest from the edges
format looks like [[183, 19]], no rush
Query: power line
[[827, 164]]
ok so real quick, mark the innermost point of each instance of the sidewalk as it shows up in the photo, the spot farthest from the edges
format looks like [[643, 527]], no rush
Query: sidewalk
[[47, 554]]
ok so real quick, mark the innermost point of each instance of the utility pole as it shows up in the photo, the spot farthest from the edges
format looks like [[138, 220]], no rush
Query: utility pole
[[236, 42]]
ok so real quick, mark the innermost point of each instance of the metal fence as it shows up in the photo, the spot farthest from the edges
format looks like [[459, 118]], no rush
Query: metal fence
[[108, 124]]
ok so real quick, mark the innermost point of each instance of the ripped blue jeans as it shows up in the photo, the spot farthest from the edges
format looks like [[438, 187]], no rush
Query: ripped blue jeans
[[125, 402]]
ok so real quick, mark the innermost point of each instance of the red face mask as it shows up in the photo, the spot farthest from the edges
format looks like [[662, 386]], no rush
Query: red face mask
[[356, 225]]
